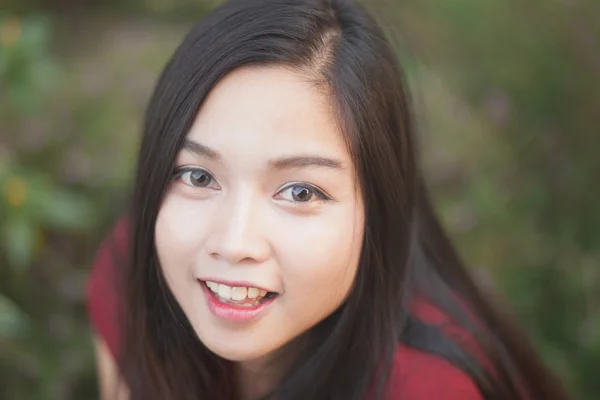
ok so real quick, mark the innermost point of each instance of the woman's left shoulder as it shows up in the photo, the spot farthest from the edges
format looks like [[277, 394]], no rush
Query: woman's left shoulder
[[417, 375]]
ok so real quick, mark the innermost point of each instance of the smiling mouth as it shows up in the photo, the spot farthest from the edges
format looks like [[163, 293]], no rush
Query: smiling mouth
[[246, 297]]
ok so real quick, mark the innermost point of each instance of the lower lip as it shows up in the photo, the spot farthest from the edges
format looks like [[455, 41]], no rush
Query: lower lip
[[234, 313]]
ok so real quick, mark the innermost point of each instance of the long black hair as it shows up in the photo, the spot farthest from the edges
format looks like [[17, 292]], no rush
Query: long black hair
[[405, 253]]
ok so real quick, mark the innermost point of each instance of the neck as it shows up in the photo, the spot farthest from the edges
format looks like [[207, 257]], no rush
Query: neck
[[257, 378]]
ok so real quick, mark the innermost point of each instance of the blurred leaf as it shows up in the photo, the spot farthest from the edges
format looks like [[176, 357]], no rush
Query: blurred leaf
[[19, 242], [27, 69], [35, 33], [63, 209], [3, 61], [12, 319], [40, 201]]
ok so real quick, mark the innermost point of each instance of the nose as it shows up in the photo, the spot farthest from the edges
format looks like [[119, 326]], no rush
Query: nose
[[237, 236]]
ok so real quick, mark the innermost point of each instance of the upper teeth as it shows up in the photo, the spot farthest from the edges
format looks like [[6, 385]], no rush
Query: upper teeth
[[235, 293]]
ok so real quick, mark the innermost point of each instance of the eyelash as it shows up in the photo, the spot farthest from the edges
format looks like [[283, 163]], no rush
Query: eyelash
[[319, 193]]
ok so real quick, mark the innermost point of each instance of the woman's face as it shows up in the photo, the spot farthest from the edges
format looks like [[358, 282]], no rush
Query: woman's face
[[263, 200]]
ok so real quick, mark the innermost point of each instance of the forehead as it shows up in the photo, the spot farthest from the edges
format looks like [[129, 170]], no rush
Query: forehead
[[270, 111]]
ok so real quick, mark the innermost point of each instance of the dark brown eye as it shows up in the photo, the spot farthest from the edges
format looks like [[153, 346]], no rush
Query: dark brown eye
[[301, 194], [199, 178], [195, 177]]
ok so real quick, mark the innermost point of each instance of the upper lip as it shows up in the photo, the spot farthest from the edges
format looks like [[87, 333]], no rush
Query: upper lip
[[237, 283]]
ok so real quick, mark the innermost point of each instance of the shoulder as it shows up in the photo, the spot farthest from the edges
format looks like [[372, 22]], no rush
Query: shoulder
[[417, 375], [102, 293]]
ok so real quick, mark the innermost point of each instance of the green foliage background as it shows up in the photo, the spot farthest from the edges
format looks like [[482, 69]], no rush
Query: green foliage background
[[508, 98]]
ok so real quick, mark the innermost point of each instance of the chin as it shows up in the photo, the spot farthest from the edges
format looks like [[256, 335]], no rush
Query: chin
[[236, 352], [236, 343], [234, 347]]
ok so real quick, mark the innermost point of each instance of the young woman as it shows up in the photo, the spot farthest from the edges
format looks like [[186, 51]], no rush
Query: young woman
[[280, 242]]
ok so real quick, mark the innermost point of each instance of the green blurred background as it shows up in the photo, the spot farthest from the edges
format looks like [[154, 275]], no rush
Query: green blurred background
[[508, 100]]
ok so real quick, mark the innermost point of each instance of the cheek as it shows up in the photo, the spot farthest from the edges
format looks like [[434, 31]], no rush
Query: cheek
[[319, 261], [178, 237]]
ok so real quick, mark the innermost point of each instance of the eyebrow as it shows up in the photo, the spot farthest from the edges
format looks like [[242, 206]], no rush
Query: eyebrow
[[304, 161], [291, 162], [201, 150]]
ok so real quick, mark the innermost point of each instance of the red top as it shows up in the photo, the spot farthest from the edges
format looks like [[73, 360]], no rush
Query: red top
[[415, 375]]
